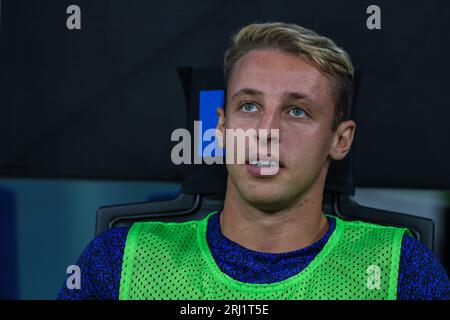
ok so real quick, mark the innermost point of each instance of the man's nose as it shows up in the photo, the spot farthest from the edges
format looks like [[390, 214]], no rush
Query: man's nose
[[268, 122]]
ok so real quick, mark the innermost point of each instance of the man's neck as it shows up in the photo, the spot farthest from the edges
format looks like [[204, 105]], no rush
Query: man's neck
[[290, 229]]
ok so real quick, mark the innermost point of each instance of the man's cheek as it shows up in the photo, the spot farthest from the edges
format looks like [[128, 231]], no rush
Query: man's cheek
[[300, 158]]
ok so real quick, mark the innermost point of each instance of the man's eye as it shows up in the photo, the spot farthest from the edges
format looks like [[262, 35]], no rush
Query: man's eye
[[248, 107], [298, 112]]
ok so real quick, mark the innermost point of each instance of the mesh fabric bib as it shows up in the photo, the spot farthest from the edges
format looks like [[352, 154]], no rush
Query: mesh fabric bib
[[169, 260]]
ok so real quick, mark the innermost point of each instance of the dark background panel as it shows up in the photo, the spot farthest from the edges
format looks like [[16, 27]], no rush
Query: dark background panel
[[102, 102]]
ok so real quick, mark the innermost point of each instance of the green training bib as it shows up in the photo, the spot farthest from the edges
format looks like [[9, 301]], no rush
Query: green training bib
[[170, 260]]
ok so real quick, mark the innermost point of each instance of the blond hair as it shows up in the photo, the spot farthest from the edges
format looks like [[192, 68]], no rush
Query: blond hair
[[321, 51]]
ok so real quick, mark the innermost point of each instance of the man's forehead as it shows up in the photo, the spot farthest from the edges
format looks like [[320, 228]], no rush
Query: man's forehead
[[268, 72]]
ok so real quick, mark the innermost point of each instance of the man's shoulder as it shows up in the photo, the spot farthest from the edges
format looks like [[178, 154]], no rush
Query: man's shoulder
[[415, 248], [367, 224], [421, 275], [100, 266], [109, 240], [104, 252], [105, 249], [375, 230], [112, 234], [165, 229], [158, 237]]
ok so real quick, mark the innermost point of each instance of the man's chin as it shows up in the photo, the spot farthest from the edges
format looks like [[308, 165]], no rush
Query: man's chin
[[265, 200]]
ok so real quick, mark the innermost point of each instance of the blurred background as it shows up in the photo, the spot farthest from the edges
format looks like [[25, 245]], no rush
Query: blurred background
[[86, 114]]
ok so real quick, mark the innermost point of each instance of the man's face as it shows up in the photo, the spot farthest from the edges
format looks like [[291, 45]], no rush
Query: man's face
[[269, 89]]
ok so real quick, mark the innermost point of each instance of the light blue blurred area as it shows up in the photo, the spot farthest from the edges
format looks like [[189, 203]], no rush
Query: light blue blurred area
[[55, 221]]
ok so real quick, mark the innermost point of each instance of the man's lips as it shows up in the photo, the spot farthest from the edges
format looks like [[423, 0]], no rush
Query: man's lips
[[265, 159], [263, 171], [272, 168]]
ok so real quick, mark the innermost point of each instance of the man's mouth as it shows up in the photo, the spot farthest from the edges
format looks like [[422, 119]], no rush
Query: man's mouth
[[265, 161], [265, 164], [268, 167], [263, 169]]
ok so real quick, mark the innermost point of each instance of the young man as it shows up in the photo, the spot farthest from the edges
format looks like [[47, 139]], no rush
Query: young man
[[271, 240]]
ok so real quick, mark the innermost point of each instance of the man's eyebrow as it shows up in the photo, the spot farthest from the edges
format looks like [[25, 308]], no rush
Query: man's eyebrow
[[296, 95], [247, 91], [287, 94]]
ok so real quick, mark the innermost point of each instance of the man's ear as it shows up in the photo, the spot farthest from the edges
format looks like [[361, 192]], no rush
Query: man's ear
[[342, 141], [220, 129]]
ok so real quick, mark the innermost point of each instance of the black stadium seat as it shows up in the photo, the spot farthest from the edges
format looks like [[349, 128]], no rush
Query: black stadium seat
[[203, 188]]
